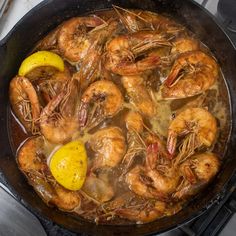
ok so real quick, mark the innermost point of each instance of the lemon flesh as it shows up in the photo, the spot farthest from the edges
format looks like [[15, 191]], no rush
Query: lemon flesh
[[39, 59], [68, 165]]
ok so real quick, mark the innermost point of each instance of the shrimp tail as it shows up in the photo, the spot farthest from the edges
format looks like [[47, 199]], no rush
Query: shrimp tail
[[148, 63], [152, 155], [159, 195], [172, 76], [151, 61], [83, 114], [97, 21], [171, 143], [128, 213], [189, 175], [47, 111], [29, 89]]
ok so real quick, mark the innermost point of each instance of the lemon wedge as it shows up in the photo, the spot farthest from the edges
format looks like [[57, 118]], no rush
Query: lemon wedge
[[68, 165], [41, 58]]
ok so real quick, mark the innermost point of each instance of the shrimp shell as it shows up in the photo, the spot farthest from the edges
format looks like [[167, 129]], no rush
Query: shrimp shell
[[195, 72], [109, 145], [22, 94]]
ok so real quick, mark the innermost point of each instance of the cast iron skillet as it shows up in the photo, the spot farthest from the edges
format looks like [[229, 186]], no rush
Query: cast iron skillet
[[38, 22]]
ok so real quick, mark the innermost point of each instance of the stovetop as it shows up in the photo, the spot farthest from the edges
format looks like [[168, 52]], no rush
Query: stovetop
[[218, 220]]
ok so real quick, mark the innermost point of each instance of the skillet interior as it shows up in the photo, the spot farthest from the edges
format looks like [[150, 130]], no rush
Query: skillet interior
[[44, 18]]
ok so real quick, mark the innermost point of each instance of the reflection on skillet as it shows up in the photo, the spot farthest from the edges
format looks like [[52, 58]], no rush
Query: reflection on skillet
[[119, 115]]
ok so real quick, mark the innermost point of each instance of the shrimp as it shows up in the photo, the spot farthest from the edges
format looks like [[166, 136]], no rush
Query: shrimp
[[148, 211], [198, 171], [144, 213], [196, 121], [134, 125], [140, 143], [135, 20], [73, 38], [50, 82], [90, 66], [151, 183], [135, 183], [184, 44], [98, 189], [176, 180], [123, 52], [192, 73], [139, 95], [132, 21], [156, 152], [134, 122], [158, 178], [141, 210], [109, 146], [33, 164], [25, 103], [59, 127], [106, 100]]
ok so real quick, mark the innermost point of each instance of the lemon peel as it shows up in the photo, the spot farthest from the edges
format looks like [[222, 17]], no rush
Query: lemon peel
[[68, 165], [41, 58]]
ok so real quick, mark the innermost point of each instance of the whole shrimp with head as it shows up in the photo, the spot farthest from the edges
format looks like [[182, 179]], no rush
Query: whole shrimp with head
[[49, 81], [197, 171], [59, 119], [89, 68], [136, 146], [152, 183], [198, 124], [156, 179], [102, 99], [109, 146], [135, 20], [192, 73], [139, 95], [25, 103], [141, 141], [73, 37], [123, 52]]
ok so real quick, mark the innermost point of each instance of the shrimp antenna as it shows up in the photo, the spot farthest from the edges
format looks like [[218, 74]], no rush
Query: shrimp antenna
[[125, 21], [128, 11]]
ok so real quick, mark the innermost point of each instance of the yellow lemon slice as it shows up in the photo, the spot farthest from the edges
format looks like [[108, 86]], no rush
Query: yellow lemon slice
[[41, 58], [69, 165]]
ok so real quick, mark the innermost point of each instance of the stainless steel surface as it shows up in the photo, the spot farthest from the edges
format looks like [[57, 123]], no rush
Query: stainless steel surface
[[230, 229], [17, 220]]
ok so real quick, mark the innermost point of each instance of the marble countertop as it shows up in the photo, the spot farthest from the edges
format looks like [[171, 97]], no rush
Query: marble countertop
[[16, 10]]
